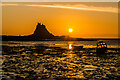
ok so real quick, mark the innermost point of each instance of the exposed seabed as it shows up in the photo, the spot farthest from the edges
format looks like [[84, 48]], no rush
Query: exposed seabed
[[45, 62]]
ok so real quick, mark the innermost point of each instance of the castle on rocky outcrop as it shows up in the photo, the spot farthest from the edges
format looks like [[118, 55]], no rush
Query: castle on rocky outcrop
[[41, 33]]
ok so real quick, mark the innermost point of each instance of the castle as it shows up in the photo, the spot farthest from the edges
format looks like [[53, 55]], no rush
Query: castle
[[40, 33]]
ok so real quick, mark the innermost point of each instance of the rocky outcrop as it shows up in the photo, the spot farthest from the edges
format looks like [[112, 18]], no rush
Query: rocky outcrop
[[41, 33]]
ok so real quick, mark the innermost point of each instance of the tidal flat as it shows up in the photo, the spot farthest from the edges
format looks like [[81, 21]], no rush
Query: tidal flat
[[56, 60]]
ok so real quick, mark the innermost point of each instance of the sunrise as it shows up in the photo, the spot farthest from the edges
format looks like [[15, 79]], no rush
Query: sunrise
[[60, 40]]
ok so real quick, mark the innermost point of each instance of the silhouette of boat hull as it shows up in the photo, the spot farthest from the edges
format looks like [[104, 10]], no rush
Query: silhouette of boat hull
[[101, 50], [101, 47]]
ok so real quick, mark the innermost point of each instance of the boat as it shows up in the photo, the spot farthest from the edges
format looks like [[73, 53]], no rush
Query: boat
[[101, 47]]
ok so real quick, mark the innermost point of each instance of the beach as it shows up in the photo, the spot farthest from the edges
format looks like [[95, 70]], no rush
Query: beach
[[36, 60]]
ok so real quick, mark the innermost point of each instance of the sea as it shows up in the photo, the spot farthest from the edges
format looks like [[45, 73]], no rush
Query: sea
[[51, 60]]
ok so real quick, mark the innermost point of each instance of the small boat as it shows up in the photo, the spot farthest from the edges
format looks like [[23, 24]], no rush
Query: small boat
[[78, 48], [101, 47]]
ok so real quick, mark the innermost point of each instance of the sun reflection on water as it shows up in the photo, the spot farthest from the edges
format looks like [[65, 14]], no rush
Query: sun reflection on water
[[70, 46]]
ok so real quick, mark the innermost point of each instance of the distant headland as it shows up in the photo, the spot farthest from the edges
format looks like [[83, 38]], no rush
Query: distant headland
[[42, 34]]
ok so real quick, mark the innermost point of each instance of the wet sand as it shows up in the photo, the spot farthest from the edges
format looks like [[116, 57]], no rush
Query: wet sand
[[52, 62]]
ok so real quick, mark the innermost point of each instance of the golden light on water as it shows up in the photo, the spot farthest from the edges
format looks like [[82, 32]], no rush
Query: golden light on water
[[70, 46], [70, 30]]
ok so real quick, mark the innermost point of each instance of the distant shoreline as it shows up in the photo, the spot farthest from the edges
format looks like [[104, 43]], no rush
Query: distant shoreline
[[23, 38]]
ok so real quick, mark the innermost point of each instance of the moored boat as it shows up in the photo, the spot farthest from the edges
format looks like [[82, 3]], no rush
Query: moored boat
[[101, 47]]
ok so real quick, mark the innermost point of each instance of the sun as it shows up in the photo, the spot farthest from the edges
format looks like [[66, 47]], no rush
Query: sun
[[70, 30]]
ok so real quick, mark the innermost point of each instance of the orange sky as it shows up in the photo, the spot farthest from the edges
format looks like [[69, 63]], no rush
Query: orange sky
[[88, 20]]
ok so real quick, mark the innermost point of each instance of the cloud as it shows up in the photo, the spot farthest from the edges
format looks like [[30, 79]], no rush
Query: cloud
[[6, 4], [70, 6], [81, 7]]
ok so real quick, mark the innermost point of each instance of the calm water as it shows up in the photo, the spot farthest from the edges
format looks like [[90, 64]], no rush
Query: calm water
[[58, 59]]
